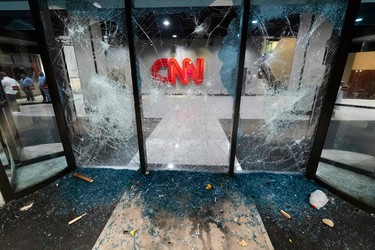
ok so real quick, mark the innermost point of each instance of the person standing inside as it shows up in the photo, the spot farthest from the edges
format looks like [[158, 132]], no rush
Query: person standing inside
[[27, 87], [43, 87], [11, 88]]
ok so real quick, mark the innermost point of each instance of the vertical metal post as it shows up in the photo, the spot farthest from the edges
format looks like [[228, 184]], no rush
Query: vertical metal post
[[46, 39], [332, 88], [136, 91], [240, 71], [5, 187]]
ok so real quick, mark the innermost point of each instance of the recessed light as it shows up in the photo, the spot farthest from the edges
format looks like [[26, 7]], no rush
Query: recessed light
[[358, 19], [174, 36], [254, 21], [166, 23], [97, 5]]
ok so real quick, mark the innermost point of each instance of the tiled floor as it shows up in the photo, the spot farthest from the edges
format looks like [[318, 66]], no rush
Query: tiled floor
[[35, 151], [190, 133], [356, 160], [230, 224], [359, 186], [32, 174]]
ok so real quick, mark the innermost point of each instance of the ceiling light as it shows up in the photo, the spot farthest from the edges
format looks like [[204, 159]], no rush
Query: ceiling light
[[97, 5], [358, 19], [166, 23], [254, 21], [174, 36]]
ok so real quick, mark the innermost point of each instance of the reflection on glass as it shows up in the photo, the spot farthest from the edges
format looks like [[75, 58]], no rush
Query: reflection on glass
[[348, 158], [97, 97], [31, 149], [289, 55], [187, 61]]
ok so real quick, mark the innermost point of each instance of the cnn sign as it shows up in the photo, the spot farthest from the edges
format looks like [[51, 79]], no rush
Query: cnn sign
[[184, 72]]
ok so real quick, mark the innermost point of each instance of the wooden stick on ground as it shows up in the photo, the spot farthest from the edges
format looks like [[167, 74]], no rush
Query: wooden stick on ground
[[81, 176], [78, 218]]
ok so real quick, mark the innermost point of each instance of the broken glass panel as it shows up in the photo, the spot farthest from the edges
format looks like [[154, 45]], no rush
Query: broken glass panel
[[187, 59], [31, 150], [347, 161], [289, 55], [90, 39]]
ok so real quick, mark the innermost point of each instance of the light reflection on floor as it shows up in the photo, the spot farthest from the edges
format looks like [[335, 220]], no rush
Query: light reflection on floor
[[32, 174], [168, 132], [359, 186]]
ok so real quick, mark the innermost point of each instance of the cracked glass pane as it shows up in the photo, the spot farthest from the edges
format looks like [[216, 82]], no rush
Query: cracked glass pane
[[347, 161], [186, 56], [289, 56], [95, 86], [187, 59]]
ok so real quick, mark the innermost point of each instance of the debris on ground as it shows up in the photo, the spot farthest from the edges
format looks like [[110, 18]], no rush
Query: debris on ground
[[318, 199], [78, 218], [243, 243], [27, 207], [83, 177], [217, 222], [209, 186], [328, 222], [285, 214], [243, 220]]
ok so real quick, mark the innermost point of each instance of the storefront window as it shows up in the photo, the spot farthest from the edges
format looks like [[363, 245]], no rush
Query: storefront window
[[187, 58], [98, 97], [289, 57]]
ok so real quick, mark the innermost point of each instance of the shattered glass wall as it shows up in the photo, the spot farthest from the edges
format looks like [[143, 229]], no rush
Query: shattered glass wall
[[289, 55], [187, 62], [98, 98], [187, 58]]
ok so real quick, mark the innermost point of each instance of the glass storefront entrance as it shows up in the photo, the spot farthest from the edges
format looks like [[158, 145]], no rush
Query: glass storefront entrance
[[217, 86]]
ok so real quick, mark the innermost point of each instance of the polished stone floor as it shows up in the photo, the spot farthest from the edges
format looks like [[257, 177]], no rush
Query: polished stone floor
[[359, 186], [27, 176], [194, 134]]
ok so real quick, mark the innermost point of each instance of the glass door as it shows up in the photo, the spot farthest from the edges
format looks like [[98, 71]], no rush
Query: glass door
[[31, 150], [289, 59], [99, 105], [347, 161], [187, 55]]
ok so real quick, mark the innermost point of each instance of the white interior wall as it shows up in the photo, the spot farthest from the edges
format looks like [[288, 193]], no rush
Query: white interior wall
[[312, 38], [198, 49], [84, 60], [117, 60]]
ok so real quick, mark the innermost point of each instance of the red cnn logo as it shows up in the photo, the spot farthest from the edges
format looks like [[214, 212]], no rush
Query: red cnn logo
[[175, 71]]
